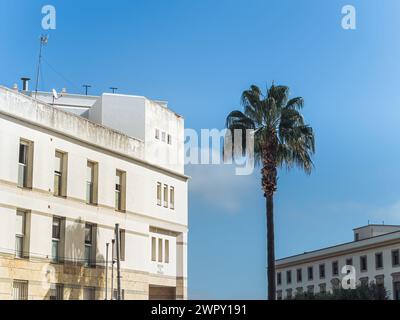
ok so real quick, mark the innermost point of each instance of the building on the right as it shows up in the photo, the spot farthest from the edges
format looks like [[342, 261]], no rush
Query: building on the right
[[374, 254]]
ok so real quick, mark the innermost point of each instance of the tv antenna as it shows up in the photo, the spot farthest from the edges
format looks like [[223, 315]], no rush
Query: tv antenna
[[44, 39], [86, 86]]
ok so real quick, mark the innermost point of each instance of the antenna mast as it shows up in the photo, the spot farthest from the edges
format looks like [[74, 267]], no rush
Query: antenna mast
[[44, 39], [86, 86]]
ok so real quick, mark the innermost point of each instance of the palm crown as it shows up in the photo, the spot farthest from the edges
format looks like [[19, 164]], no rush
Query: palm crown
[[279, 128]]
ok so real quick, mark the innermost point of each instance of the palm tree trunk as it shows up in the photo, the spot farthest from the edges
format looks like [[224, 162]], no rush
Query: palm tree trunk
[[271, 248]]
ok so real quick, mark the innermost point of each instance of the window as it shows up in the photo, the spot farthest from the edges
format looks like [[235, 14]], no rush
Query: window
[[159, 193], [310, 272], [153, 249], [60, 174], [299, 275], [91, 182], [25, 164], [122, 233], [395, 258], [321, 271], [288, 277], [163, 134], [335, 283], [356, 236], [169, 139], [322, 288], [160, 250], [165, 196], [115, 294], [20, 235], [380, 280], [157, 134], [349, 262], [20, 290], [172, 198], [89, 245], [279, 295], [289, 294], [57, 291], [335, 268], [56, 240], [89, 293], [166, 258], [279, 278], [120, 191], [364, 281], [363, 263], [379, 260], [310, 289], [299, 290]]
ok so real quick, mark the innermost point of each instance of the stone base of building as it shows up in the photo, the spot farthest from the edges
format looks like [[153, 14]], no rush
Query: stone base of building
[[42, 277]]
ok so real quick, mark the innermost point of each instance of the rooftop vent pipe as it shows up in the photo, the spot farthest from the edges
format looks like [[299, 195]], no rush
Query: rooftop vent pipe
[[25, 84]]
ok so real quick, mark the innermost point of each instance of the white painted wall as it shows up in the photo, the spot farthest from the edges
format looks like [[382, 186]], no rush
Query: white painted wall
[[141, 205]]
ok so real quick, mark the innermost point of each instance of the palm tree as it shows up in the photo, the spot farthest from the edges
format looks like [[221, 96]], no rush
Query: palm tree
[[281, 139]]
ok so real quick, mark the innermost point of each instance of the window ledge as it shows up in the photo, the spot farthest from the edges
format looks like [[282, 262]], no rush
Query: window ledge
[[92, 204], [61, 197], [25, 188]]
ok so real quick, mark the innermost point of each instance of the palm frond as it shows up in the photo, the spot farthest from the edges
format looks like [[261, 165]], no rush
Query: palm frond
[[295, 103]]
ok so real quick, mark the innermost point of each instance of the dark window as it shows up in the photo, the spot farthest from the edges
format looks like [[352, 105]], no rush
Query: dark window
[[395, 258], [379, 260], [335, 268], [299, 275], [310, 273], [288, 277], [363, 263], [322, 271], [349, 262], [356, 237], [279, 278], [56, 239], [89, 248]]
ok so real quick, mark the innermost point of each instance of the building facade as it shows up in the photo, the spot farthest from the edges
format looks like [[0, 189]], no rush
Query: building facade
[[374, 254], [71, 168]]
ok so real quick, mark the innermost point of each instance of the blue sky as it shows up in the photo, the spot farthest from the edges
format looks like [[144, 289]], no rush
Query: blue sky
[[200, 55]]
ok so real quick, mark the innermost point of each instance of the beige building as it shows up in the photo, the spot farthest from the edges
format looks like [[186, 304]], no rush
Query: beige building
[[71, 168], [374, 254]]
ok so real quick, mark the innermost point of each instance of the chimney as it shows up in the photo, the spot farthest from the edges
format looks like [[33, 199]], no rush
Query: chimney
[[15, 87], [25, 83]]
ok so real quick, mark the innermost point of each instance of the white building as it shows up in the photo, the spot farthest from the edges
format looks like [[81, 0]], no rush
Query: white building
[[72, 168], [374, 254]]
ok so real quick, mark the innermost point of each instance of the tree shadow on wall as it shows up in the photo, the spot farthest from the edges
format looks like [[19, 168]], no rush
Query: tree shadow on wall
[[73, 273]]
